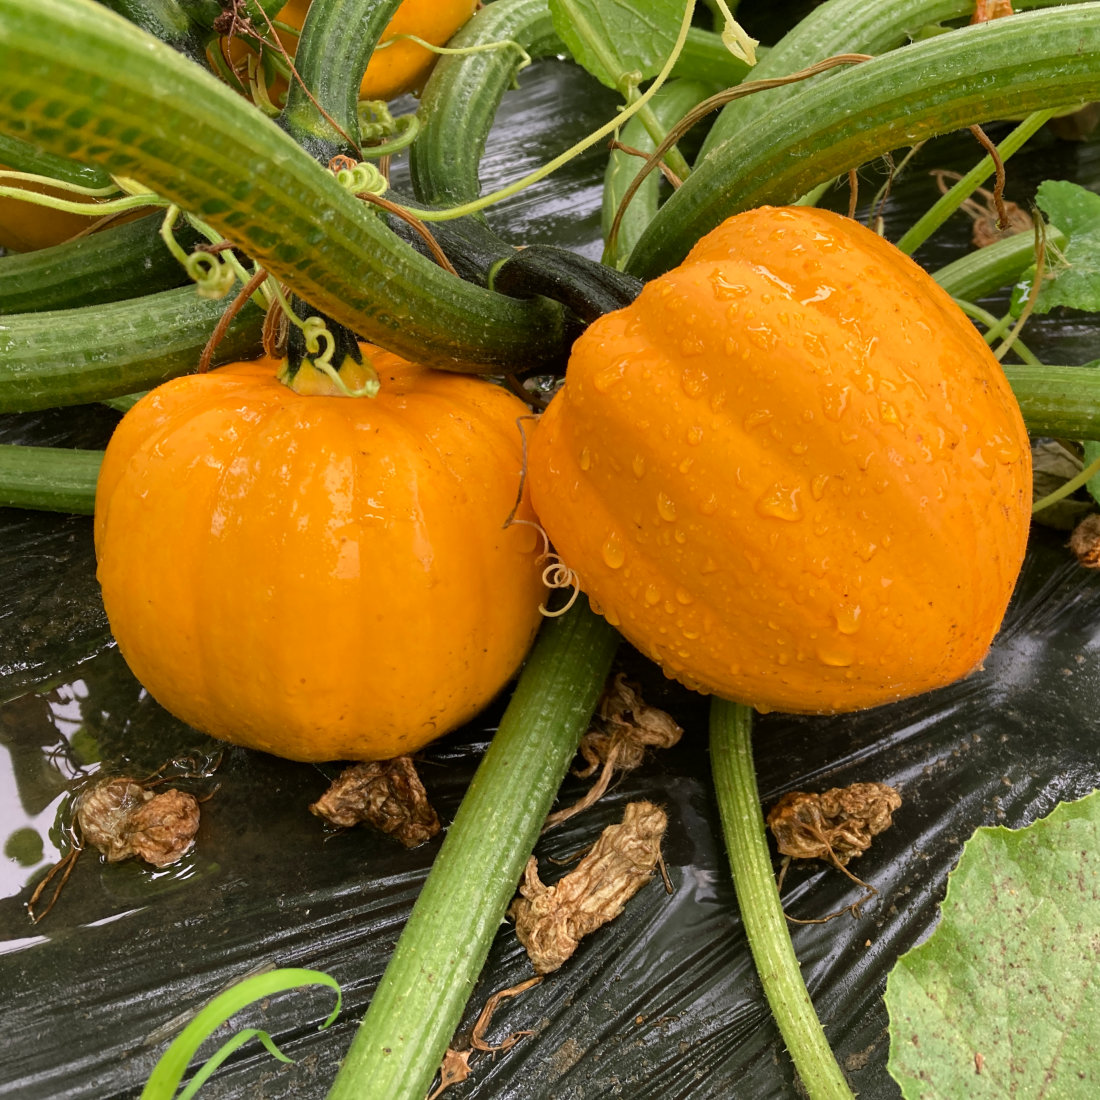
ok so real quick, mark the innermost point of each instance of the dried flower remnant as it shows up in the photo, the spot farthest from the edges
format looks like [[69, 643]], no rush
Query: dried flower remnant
[[387, 794], [835, 826], [625, 727], [1085, 541], [552, 920], [123, 818]]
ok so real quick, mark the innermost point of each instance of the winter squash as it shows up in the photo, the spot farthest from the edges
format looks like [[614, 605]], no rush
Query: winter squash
[[320, 577], [791, 472]]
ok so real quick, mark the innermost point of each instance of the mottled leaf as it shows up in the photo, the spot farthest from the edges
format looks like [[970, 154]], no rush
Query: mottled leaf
[[1003, 999]]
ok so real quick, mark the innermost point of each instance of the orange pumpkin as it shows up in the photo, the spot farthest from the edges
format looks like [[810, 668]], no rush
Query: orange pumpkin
[[402, 66], [791, 472], [319, 577], [25, 227]]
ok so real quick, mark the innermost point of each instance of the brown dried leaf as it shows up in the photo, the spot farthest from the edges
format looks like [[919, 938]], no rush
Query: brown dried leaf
[[1085, 541], [835, 826], [122, 818], [387, 794], [552, 920], [625, 727]]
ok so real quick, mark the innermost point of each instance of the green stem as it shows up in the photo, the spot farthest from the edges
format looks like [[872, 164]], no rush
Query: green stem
[[1068, 488], [984, 270], [420, 999], [947, 204], [50, 479], [836, 26], [1057, 401], [475, 206], [1026, 63], [761, 910], [330, 62], [673, 101], [87, 84]]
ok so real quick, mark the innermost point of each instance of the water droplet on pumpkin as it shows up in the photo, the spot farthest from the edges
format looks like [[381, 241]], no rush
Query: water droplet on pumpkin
[[686, 465], [709, 504], [724, 288], [652, 595], [1006, 450], [612, 551], [836, 654], [695, 435], [638, 465], [762, 336], [684, 596], [610, 376], [781, 502], [848, 618], [585, 459], [666, 507], [834, 400], [756, 418], [817, 486], [889, 414], [982, 463], [709, 566], [867, 552], [693, 381]]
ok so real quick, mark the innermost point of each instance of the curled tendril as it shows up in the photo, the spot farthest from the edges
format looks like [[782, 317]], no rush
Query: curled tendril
[[315, 332], [369, 388], [360, 178], [406, 127], [375, 120], [556, 574], [211, 274]]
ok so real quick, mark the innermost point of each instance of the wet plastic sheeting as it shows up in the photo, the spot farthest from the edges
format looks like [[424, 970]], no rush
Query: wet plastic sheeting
[[664, 1001]]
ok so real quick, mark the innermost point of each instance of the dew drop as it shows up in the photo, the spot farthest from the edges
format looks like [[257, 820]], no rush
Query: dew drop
[[684, 597], [709, 566], [847, 618], [608, 377], [817, 486], [585, 459], [686, 465], [638, 465], [693, 380], [613, 551], [836, 655], [652, 595], [889, 414], [756, 418], [709, 505], [611, 617], [666, 507], [781, 502], [695, 435], [834, 400]]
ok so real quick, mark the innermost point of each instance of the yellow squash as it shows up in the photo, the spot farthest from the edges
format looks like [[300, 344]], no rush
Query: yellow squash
[[319, 577], [791, 472]]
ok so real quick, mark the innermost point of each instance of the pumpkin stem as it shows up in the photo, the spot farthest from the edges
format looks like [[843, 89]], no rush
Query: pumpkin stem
[[323, 357], [587, 288]]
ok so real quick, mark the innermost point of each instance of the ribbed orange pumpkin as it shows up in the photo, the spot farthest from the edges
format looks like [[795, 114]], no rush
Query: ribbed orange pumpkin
[[319, 577], [791, 472]]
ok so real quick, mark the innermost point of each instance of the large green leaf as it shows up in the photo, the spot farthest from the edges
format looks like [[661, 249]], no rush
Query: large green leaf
[[1003, 999], [614, 38]]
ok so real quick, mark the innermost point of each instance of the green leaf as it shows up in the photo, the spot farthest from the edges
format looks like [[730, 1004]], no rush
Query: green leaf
[[1091, 450], [1003, 999], [615, 39], [1074, 209], [1073, 272]]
